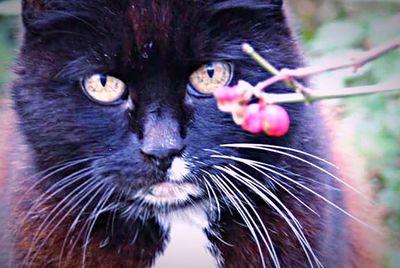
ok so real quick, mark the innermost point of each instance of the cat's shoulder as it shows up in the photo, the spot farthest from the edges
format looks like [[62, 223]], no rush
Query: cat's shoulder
[[7, 120], [364, 222], [7, 134]]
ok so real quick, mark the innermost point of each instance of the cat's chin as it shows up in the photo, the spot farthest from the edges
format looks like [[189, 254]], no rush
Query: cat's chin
[[170, 194]]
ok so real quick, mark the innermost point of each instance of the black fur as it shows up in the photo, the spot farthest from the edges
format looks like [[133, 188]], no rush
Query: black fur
[[153, 46]]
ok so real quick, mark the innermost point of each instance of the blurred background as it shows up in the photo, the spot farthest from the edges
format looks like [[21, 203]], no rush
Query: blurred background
[[328, 29]]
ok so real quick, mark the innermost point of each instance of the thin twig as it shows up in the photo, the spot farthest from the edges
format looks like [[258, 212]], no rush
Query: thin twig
[[291, 75], [290, 82], [304, 94], [332, 93]]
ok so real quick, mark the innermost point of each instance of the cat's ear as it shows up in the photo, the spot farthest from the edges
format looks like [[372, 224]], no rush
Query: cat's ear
[[31, 9]]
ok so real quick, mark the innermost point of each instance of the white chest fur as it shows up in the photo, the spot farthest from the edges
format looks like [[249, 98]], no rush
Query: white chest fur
[[188, 245]]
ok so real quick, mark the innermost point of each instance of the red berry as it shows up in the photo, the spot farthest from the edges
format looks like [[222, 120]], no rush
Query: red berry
[[275, 120], [253, 119]]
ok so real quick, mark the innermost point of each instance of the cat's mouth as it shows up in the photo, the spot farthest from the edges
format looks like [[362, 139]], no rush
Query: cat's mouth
[[170, 193]]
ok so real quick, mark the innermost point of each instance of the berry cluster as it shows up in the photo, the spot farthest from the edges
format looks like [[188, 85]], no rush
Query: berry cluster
[[255, 118]]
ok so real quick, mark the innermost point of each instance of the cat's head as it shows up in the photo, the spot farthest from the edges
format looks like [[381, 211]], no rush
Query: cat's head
[[153, 140]]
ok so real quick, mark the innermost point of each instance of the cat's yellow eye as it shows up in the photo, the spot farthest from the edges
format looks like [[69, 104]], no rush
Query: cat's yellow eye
[[210, 77], [104, 89]]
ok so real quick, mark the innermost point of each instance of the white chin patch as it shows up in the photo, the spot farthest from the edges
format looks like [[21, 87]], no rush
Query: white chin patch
[[188, 244], [170, 193]]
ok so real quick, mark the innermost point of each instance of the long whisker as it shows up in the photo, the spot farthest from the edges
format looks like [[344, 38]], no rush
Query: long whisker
[[61, 185], [255, 164], [115, 213], [300, 176], [215, 197], [269, 148], [77, 218], [59, 208], [270, 246], [260, 189], [242, 211], [67, 181], [54, 170], [78, 18], [100, 188], [246, 220], [208, 195], [95, 214], [280, 184]]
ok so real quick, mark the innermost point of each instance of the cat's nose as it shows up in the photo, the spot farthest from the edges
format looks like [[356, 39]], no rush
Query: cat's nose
[[162, 139], [162, 156]]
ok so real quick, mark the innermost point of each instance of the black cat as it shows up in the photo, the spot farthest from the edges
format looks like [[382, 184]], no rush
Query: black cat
[[133, 165]]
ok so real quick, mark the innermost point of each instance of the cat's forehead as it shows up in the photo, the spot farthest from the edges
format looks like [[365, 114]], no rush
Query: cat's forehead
[[143, 34], [155, 21], [188, 24]]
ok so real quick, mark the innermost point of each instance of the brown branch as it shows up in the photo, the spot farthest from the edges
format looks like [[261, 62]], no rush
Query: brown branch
[[332, 93], [304, 94], [288, 75]]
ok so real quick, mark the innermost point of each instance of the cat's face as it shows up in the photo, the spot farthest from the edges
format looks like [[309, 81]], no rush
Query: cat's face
[[153, 146]]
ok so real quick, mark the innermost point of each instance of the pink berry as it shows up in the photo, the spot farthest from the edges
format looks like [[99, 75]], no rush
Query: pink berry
[[227, 98], [253, 119], [275, 120], [230, 98], [238, 115], [246, 90], [227, 94]]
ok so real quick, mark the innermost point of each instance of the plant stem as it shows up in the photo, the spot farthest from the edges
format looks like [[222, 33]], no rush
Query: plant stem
[[289, 75], [304, 94], [290, 82], [333, 93]]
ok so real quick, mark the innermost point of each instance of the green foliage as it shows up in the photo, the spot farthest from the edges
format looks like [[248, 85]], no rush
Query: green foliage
[[10, 7], [375, 119], [336, 35], [7, 49]]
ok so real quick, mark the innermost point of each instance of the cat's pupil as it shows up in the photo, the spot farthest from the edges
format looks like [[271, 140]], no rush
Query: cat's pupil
[[103, 80], [210, 70]]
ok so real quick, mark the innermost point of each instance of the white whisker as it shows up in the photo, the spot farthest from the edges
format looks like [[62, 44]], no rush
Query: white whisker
[[243, 213], [280, 184], [59, 208], [94, 216], [270, 245], [260, 165], [268, 146], [314, 166], [210, 188], [55, 169], [77, 218], [260, 189]]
